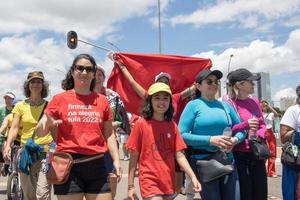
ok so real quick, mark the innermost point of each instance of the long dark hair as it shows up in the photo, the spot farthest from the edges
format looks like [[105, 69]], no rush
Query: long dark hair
[[147, 109], [197, 92], [68, 82], [298, 95]]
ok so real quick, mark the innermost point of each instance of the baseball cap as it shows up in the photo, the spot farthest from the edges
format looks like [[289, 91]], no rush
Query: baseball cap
[[35, 74], [159, 87], [207, 72], [162, 74], [242, 74], [9, 94]]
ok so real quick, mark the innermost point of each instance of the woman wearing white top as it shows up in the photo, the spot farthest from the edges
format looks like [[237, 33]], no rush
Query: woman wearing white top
[[289, 126], [269, 114]]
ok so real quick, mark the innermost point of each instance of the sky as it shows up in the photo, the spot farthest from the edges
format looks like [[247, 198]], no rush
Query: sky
[[262, 36]]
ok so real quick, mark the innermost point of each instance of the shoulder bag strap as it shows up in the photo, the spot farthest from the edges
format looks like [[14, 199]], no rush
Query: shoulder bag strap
[[226, 113], [41, 115], [87, 158]]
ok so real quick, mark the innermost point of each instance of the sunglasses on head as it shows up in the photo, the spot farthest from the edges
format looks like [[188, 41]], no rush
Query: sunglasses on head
[[81, 68], [210, 82]]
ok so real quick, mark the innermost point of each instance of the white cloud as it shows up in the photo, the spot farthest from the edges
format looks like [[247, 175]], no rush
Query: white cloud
[[244, 12], [20, 55], [260, 56], [93, 18], [284, 93]]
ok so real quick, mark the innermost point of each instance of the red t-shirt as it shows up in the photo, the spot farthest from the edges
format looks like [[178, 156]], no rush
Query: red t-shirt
[[157, 143], [178, 105], [82, 121]]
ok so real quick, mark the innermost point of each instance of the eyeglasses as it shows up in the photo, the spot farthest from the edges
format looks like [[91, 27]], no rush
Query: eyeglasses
[[210, 82], [81, 68]]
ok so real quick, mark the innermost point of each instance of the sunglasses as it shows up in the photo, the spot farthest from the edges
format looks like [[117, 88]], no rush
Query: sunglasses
[[81, 68], [210, 82], [38, 81]]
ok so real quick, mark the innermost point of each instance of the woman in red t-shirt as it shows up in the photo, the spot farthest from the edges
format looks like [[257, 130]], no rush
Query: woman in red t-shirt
[[84, 128], [154, 143]]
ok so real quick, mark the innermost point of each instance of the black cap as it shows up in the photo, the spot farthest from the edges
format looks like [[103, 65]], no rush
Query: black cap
[[206, 72], [242, 74]]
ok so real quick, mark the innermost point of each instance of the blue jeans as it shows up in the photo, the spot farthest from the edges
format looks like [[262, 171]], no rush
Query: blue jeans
[[252, 176], [289, 183], [224, 188]]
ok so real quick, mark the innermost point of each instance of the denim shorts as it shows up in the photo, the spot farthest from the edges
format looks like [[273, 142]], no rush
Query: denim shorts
[[88, 177]]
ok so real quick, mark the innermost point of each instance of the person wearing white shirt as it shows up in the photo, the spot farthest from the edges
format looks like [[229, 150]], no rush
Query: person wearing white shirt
[[269, 114]]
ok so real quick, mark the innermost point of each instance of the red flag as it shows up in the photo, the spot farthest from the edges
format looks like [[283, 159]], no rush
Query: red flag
[[144, 68]]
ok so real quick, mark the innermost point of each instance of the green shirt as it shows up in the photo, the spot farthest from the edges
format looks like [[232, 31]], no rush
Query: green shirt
[[3, 113]]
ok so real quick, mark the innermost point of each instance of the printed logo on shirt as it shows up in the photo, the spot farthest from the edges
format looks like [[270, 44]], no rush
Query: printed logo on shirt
[[83, 114], [163, 148]]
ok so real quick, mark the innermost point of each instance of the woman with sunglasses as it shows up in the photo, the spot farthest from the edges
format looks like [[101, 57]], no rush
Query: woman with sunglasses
[[84, 129], [202, 124], [26, 115], [252, 172]]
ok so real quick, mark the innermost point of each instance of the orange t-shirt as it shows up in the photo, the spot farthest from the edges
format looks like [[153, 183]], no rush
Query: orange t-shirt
[[82, 118], [157, 143]]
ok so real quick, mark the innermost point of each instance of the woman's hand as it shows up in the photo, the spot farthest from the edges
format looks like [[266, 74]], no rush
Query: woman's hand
[[221, 141], [7, 152], [234, 141], [117, 170], [196, 184], [253, 124]]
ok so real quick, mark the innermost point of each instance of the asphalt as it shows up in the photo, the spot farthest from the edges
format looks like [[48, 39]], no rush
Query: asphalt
[[274, 185]]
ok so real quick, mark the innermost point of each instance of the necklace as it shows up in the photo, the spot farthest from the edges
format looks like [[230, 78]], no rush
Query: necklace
[[35, 104]]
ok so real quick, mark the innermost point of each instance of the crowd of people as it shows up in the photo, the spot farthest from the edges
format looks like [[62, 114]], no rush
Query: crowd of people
[[90, 122]]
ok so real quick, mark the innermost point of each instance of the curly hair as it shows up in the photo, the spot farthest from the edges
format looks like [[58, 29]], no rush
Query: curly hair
[[68, 82], [44, 92], [147, 109]]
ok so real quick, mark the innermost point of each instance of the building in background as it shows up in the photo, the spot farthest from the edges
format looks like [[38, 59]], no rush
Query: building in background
[[286, 102], [262, 88]]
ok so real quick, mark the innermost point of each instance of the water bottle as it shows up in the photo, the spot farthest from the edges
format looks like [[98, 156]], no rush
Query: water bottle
[[52, 149], [227, 132], [252, 134]]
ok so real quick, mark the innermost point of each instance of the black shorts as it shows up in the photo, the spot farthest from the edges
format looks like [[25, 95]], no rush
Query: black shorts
[[1, 157], [88, 177]]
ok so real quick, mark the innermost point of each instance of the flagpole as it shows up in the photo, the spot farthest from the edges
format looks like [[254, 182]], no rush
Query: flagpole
[[159, 28], [228, 68]]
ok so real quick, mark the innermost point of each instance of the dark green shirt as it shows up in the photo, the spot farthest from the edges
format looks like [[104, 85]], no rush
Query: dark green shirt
[[3, 113]]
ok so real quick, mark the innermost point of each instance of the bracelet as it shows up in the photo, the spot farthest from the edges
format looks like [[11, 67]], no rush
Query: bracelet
[[131, 186], [122, 66]]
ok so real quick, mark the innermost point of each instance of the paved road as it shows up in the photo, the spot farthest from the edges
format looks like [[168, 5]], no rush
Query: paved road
[[274, 186]]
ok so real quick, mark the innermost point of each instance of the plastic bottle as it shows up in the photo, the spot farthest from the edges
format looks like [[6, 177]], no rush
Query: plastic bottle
[[252, 133], [52, 149], [227, 132]]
